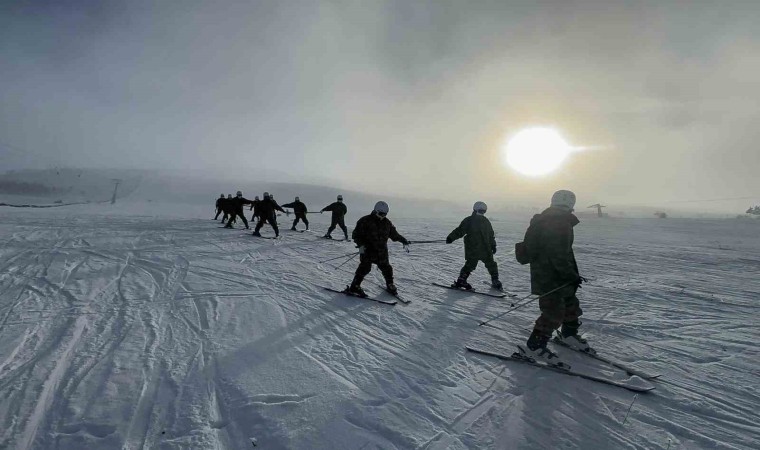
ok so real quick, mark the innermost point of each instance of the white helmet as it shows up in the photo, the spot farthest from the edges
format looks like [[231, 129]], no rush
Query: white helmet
[[340, 198], [480, 207], [381, 208], [564, 199], [239, 194]]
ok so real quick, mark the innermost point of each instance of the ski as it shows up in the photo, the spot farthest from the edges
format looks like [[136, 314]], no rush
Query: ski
[[519, 358], [379, 300], [630, 370], [509, 294], [267, 237], [471, 291], [397, 296]]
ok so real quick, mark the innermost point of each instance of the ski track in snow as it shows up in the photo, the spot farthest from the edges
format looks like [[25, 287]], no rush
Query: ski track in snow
[[157, 333]]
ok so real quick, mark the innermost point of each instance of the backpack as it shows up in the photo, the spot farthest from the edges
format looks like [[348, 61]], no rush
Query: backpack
[[528, 250]]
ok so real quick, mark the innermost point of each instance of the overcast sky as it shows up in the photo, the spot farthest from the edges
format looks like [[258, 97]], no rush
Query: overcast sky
[[410, 97]]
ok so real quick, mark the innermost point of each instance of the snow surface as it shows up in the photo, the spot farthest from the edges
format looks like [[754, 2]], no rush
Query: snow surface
[[147, 326]]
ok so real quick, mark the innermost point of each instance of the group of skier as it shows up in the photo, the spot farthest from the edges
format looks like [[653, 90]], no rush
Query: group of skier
[[265, 212], [547, 247]]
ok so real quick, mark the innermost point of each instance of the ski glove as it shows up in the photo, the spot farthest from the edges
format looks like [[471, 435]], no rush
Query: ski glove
[[406, 246], [580, 281], [449, 240], [362, 249], [494, 249]]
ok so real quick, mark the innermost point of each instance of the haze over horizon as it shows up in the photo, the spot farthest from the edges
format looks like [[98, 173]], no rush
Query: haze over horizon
[[411, 98]]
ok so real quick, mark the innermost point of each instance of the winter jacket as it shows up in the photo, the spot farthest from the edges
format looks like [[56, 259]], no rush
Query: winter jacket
[[373, 232], [219, 202], [553, 263], [479, 240], [338, 210], [266, 208], [238, 202], [298, 207], [228, 206]]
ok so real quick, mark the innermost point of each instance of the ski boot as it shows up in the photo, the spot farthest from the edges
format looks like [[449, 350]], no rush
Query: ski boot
[[496, 284], [462, 283], [536, 350], [257, 234], [228, 226], [356, 290], [391, 288], [293, 228], [569, 336], [327, 236]]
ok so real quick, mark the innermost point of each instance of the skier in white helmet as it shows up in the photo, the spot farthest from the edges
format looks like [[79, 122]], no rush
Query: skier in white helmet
[[549, 242], [479, 245], [371, 237]]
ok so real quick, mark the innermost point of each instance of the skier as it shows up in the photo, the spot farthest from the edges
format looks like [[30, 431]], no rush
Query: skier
[[219, 203], [228, 208], [299, 208], [266, 211], [339, 211], [254, 204], [371, 235], [479, 245], [549, 240], [237, 209]]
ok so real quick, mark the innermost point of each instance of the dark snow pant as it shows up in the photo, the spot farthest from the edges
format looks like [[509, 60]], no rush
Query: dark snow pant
[[234, 216], [338, 222], [301, 216], [365, 267], [471, 264], [218, 211], [271, 221], [559, 308]]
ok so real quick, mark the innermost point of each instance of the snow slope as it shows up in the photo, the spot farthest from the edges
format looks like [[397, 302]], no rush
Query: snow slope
[[161, 332]]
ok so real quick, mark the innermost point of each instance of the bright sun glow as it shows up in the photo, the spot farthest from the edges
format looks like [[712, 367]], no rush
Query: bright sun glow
[[536, 151]]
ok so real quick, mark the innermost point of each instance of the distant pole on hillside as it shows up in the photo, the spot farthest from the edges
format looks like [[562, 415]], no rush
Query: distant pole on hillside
[[598, 209], [115, 188]]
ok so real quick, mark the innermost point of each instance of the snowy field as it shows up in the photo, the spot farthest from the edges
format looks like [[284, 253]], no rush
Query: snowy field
[[157, 331]]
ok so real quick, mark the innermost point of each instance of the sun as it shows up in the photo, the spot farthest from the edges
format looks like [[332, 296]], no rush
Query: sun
[[536, 151]]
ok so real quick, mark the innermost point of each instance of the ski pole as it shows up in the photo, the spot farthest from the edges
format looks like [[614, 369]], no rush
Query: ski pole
[[338, 257], [349, 259], [439, 241], [523, 304]]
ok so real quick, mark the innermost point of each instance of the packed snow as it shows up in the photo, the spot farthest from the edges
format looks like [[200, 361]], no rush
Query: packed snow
[[149, 326]]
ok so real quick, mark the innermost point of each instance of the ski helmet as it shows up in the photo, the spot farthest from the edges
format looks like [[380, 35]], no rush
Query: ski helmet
[[229, 195], [340, 198], [564, 199], [256, 198], [298, 199], [266, 195], [221, 196], [239, 194], [480, 207], [381, 208]]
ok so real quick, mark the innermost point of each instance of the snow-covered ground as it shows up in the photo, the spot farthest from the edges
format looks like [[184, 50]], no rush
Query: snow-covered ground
[[161, 330]]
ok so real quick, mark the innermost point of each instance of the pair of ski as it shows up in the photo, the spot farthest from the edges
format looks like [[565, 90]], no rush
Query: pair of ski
[[473, 291], [519, 357], [398, 298]]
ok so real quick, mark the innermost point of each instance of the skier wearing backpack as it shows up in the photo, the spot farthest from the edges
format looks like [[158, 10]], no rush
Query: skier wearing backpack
[[479, 245], [371, 237], [339, 211], [299, 208], [549, 243]]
